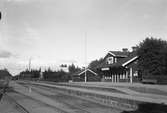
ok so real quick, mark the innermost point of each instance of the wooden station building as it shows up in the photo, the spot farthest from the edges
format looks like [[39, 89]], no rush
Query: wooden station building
[[120, 66]]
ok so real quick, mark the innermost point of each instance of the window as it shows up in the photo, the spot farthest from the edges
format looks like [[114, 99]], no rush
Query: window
[[115, 60], [110, 60], [136, 73]]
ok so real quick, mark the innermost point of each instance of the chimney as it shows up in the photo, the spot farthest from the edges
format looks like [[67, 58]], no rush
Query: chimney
[[134, 48], [125, 49]]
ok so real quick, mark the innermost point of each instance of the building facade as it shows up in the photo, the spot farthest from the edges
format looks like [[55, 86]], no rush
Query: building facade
[[120, 66]]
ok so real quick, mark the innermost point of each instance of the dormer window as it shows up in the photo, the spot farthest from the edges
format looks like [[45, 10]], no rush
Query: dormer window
[[110, 60]]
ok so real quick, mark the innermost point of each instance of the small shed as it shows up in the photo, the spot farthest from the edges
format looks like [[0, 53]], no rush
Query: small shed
[[90, 75]]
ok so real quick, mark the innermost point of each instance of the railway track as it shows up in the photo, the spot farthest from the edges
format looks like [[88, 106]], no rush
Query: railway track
[[78, 108], [76, 105], [3, 93], [19, 107], [22, 109]]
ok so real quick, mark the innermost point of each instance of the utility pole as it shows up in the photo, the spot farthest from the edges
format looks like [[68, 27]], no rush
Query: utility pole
[[85, 56], [29, 68], [29, 65], [0, 15]]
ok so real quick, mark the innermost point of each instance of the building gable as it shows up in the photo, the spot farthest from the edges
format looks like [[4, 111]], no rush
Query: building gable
[[109, 58], [86, 71], [114, 57], [119, 53]]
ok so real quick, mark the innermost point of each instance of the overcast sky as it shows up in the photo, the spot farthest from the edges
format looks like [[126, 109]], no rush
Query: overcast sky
[[52, 32]]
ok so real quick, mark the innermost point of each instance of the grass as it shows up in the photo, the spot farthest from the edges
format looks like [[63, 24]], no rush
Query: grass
[[148, 90]]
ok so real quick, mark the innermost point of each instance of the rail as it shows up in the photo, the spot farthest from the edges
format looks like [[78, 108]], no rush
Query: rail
[[20, 107]]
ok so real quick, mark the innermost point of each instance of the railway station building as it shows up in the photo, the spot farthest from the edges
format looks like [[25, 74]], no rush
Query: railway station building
[[120, 66]]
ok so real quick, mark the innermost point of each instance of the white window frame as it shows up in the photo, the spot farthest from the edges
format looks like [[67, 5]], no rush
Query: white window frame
[[110, 60]]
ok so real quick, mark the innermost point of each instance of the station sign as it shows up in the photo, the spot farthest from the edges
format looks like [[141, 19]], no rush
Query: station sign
[[105, 69]]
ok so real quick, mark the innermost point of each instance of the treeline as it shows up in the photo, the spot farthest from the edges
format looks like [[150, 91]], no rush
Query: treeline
[[28, 74], [56, 76], [49, 74]]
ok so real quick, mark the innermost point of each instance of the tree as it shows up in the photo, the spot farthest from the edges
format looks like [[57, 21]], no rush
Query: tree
[[152, 54], [56, 76], [93, 64], [4, 73], [63, 65], [31, 74], [72, 69]]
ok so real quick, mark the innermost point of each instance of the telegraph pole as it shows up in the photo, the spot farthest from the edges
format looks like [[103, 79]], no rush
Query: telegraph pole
[[85, 56], [29, 65], [0, 15], [29, 68]]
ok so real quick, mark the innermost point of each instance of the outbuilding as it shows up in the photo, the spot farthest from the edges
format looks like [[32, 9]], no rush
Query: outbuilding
[[90, 76]]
